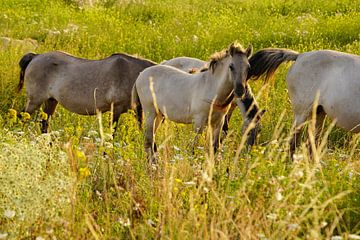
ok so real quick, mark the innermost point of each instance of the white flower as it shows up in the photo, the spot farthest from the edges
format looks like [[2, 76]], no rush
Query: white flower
[[39, 238], [206, 177], [278, 195], [124, 222], [9, 213], [281, 178], [323, 224], [299, 174], [151, 223], [271, 216], [354, 236], [3, 235], [298, 157], [293, 226], [190, 183], [336, 238]]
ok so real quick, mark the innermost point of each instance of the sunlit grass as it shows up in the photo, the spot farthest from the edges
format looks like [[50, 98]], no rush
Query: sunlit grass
[[78, 182]]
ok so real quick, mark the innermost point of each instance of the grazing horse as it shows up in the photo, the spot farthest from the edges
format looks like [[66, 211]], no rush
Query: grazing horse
[[332, 77], [80, 85], [249, 108], [165, 91]]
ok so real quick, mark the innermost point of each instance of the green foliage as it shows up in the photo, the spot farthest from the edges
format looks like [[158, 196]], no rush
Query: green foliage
[[79, 183]]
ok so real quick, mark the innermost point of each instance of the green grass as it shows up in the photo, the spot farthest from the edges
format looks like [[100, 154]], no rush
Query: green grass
[[79, 183]]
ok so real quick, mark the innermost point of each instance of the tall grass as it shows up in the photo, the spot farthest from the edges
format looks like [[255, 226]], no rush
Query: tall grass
[[79, 183]]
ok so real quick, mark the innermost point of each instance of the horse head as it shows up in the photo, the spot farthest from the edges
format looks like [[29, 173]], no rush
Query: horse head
[[239, 67]]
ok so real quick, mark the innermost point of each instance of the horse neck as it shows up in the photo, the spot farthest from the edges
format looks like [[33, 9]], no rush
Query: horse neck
[[219, 83]]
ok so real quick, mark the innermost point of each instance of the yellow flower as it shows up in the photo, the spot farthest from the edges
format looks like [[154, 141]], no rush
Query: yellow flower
[[43, 115], [80, 155], [84, 172], [12, 113], [178, 180], [25, 116]]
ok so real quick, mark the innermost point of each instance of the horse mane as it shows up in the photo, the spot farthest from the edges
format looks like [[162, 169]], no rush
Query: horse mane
[[134, 57], [234, 48]]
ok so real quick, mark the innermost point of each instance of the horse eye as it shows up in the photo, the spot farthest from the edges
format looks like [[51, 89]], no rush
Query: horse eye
[[231, 66]]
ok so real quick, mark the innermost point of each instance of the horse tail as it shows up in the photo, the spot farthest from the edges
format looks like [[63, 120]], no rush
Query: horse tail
[[24, 62], [136, 105], [266, 61]]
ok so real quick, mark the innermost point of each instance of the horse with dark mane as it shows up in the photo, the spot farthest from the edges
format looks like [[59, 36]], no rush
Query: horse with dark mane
[[80, 85], [249, 108], [327, 81], [201, 98]]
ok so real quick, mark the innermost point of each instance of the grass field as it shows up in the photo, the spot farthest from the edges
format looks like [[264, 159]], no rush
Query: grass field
[[78, 183]]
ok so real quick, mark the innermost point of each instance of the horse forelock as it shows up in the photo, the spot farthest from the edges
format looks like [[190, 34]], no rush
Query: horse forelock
[[234, 48]]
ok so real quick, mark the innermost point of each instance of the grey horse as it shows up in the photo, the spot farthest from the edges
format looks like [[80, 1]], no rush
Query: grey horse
[[81, 86]]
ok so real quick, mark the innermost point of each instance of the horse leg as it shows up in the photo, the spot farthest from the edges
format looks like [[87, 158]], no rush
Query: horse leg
[[296, 137], [158, 120], [33, 105], [49, 109], [225, 127], [118, 110], [150, 137], [319, 122], [216, 135], [198, 128]]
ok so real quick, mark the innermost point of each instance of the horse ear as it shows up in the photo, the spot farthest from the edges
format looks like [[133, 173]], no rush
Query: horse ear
[[232, 49], [249, 51]]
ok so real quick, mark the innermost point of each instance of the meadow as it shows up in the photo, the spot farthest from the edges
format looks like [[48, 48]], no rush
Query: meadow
[[78, 182]]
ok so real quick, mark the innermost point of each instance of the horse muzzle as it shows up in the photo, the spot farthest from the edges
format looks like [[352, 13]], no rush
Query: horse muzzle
[[239, 91]]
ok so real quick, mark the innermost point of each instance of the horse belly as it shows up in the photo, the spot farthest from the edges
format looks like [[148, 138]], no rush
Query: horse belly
[[346, 116], [176, 113], [82, 101]]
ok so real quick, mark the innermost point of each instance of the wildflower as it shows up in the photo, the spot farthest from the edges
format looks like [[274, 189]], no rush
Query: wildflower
[[43, 116], [354, 236], [299, 174], [124, 222], [3, 235], [84, 172], [93, 133], [25, 116], [278, 195], [272, 216], [178, 180], [151, 223], [80, 155], [39, 238], [9, 213], [190, 183], [206, 177], [12, 113], [293, 226], [298, 157], [336, 238]]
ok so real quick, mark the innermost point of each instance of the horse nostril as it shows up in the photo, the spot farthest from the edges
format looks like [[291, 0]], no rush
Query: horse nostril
[[239, 92]]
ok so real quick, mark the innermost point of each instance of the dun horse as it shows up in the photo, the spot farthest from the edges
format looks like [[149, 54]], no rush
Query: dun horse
[[249, 108], [331, 75], [80, 85], [165, 91]]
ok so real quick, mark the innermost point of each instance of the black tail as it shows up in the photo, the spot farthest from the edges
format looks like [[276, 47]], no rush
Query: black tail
[[24, 62], [136, 105], [266, 61]]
